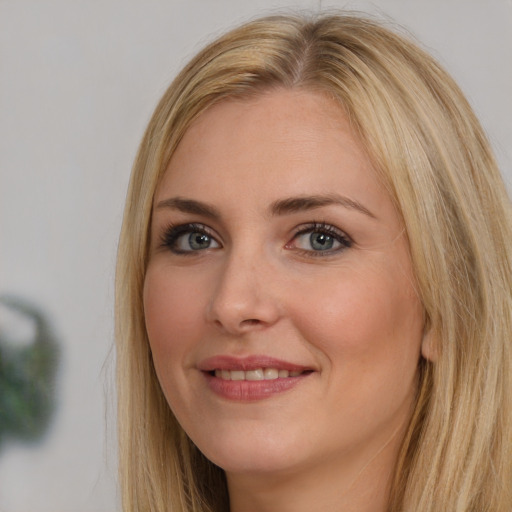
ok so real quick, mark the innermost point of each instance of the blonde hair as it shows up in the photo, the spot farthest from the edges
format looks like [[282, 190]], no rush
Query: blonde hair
[[433, 157]]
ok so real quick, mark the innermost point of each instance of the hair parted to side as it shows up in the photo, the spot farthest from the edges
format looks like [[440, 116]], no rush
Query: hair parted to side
[[434, 159]]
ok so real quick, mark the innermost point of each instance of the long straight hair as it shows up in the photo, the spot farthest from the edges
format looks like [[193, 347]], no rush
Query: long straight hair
[[434, 159]]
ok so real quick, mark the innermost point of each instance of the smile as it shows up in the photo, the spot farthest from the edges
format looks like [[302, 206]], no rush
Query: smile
[[257, 374], [252, 378]]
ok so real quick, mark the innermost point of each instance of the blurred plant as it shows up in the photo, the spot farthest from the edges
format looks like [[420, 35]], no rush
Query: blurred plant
[[28, 364]]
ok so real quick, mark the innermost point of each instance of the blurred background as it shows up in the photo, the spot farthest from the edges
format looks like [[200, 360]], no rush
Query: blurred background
[[78, 83]]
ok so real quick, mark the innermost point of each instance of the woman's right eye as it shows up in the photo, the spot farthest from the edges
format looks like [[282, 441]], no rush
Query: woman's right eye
[[188, 238]]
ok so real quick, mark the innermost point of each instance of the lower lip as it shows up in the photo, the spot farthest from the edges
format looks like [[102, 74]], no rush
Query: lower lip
[[251, 390]]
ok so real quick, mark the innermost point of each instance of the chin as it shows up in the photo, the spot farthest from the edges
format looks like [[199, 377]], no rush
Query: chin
[[260, 455], [255, 464]]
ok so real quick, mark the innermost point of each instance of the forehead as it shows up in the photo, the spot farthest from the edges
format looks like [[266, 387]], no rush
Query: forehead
[[282, 142]]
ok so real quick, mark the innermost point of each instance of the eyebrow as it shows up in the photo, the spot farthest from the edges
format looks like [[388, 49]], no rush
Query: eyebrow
[[280, 207], [189, 206], [304, 203]]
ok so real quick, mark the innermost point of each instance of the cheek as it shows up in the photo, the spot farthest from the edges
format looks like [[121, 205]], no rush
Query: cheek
[[172, 310], [367, 321], [370, 336]]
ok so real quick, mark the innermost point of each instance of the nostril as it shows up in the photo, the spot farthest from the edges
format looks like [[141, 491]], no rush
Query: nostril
[[250, 321]]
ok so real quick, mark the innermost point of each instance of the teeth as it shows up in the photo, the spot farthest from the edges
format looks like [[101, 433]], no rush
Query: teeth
[[237, 375], [254, 374], [257, 374], [270, 373]]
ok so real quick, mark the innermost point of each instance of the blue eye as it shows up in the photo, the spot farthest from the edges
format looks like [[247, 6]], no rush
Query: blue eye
[[188, 238], [320, 238], [321, 241]]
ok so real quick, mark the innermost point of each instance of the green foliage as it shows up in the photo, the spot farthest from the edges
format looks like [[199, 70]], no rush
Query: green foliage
[[27, 374]]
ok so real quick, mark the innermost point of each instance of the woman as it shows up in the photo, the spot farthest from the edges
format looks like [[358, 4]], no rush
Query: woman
[[314, 281]]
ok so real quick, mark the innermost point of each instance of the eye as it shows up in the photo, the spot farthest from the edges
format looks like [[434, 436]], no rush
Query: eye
[[188, 238], [320, 239]]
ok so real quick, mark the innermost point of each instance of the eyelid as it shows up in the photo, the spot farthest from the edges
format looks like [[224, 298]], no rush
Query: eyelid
[[321, 227], [172, 232]]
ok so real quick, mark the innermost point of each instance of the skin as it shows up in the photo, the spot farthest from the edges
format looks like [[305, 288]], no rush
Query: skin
[[350, 314]]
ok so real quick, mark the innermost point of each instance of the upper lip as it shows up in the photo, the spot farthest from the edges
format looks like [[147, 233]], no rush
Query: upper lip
[[253, 362]]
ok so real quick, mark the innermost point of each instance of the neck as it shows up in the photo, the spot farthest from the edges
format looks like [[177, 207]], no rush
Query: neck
[[359, 485]]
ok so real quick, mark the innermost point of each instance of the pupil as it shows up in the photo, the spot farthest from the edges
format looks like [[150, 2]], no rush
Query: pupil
[[321, 241], [199, 241]]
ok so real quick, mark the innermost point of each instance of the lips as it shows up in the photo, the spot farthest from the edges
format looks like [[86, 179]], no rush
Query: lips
[[248, 363], [257, 374], [251, 378]]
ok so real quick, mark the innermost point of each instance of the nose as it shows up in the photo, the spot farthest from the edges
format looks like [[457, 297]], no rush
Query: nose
[[245, 295]]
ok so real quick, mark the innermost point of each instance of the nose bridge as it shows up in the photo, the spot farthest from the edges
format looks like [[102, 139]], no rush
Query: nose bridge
[[243, 297]]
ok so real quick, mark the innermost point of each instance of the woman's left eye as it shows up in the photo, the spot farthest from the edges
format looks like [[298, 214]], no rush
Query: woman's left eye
[[319, 240]]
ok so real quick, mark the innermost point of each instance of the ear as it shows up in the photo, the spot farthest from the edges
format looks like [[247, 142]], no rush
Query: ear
[[429, 345]]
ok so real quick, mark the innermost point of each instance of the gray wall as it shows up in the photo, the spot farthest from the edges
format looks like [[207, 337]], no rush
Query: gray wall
[[78, 82]]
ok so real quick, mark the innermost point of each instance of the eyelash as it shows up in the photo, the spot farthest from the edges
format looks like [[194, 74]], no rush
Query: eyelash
[[325, 229], [172, 234]]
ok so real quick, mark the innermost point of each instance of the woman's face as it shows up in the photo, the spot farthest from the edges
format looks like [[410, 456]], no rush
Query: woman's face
[[279, 297]]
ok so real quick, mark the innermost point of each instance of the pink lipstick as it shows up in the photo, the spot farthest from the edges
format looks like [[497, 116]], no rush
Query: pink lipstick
[[251, 378]]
